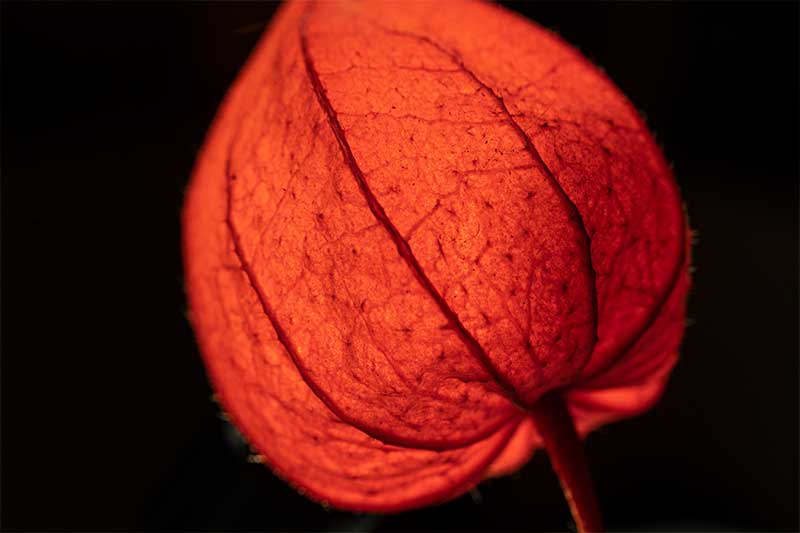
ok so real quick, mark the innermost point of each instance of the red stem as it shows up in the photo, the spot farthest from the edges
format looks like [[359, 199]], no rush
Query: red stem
[[565, 449]]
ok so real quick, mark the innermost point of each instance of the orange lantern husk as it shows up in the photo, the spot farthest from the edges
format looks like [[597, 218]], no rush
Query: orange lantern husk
[[422, 241]]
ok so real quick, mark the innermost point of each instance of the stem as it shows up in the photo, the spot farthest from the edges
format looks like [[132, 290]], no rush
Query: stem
[[565, 449]]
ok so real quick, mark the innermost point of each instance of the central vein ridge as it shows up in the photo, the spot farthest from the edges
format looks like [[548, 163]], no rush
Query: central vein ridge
[[402, 245]]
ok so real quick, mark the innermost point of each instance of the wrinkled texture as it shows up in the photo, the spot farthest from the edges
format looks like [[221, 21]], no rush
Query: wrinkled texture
[[407, 224]]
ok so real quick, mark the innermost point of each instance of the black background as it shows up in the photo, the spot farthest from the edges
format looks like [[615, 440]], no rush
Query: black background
[[107, 422]]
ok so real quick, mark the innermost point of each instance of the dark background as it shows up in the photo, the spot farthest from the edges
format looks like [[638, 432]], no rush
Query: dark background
[[106, 417]]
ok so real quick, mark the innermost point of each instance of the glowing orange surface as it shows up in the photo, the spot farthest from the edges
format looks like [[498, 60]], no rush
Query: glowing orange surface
[[408, 223]]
